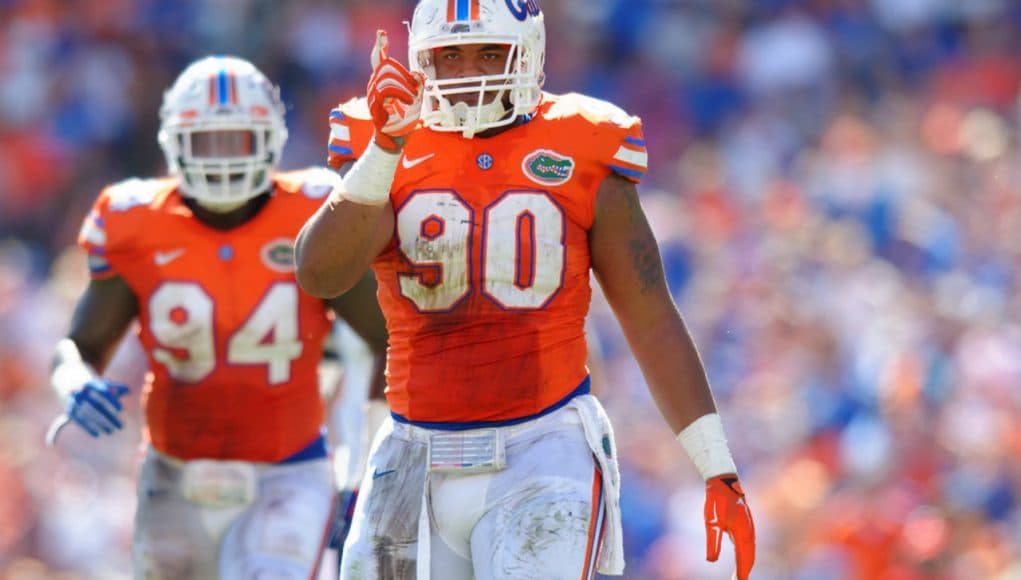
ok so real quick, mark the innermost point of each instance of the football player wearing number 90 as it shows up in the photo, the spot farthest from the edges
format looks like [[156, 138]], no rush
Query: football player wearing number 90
[[235, 482], [482, 203]]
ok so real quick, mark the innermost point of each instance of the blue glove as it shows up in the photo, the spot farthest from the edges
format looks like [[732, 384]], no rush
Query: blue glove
[[96, 406]]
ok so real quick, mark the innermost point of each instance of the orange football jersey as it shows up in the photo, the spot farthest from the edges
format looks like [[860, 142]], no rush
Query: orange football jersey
[[233, 343], [485, 284]]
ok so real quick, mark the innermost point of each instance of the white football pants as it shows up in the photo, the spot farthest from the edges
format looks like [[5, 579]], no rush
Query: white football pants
[[277, 534], [533, 519]]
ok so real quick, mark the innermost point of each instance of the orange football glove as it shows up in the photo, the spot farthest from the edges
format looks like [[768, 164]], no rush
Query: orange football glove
[[726, 511], [394, 96]]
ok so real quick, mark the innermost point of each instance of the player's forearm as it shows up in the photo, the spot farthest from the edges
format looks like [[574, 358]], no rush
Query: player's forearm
[[672, 369], [677, 380], [95, 357], [336, 246], [102, 315]]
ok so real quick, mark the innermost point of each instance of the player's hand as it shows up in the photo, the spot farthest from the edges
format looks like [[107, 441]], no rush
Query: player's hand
[[96, 407], [394, 96], [343, 514], [727, 512]]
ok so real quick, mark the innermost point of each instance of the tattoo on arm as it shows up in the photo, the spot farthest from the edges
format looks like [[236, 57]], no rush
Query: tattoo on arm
[[643, 248], [646, 261]]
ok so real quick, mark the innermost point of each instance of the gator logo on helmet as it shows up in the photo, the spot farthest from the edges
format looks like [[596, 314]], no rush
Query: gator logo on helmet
[[547, 167], [278, 255]]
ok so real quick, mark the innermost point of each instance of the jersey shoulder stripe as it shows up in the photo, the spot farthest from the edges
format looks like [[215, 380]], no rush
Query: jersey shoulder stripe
[[617, 138], [115, 219]]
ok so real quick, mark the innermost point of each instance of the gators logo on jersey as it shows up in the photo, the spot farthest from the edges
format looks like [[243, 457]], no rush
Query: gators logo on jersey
[[547, 167], [278, 255]]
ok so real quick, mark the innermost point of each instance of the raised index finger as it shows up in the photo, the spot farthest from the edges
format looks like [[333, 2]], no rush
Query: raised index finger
[[380, 50]]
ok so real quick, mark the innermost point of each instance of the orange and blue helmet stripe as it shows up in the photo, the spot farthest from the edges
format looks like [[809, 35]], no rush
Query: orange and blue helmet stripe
[[223, 88], [462, 10]]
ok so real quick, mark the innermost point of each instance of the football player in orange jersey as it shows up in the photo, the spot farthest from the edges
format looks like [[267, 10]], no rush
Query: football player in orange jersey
[[235, 482], [483, 203]]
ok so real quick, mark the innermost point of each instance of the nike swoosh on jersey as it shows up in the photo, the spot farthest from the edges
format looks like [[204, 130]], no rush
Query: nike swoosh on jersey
[[409, 163], [164, 258], [377, 473]]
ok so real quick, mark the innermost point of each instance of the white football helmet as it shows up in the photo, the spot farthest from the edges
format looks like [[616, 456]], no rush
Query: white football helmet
[[222, 130], [440, 23]]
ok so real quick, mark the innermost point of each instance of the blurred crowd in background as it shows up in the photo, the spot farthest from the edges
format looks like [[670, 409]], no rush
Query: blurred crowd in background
[[836, 188]]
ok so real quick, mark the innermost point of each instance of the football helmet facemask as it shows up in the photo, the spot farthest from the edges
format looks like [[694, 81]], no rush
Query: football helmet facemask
[[222, 130], [518, 24]]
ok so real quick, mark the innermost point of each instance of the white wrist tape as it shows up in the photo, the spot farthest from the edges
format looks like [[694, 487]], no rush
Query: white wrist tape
[[707, 447], [369, 180], [71, 373]]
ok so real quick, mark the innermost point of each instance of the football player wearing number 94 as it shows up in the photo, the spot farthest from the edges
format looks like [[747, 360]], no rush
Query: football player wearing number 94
[[235, 482], [482, 203]]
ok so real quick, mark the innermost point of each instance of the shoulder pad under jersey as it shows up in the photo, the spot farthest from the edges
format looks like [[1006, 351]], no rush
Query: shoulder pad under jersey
[[113, 221], [617, 138], [314, 183]]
